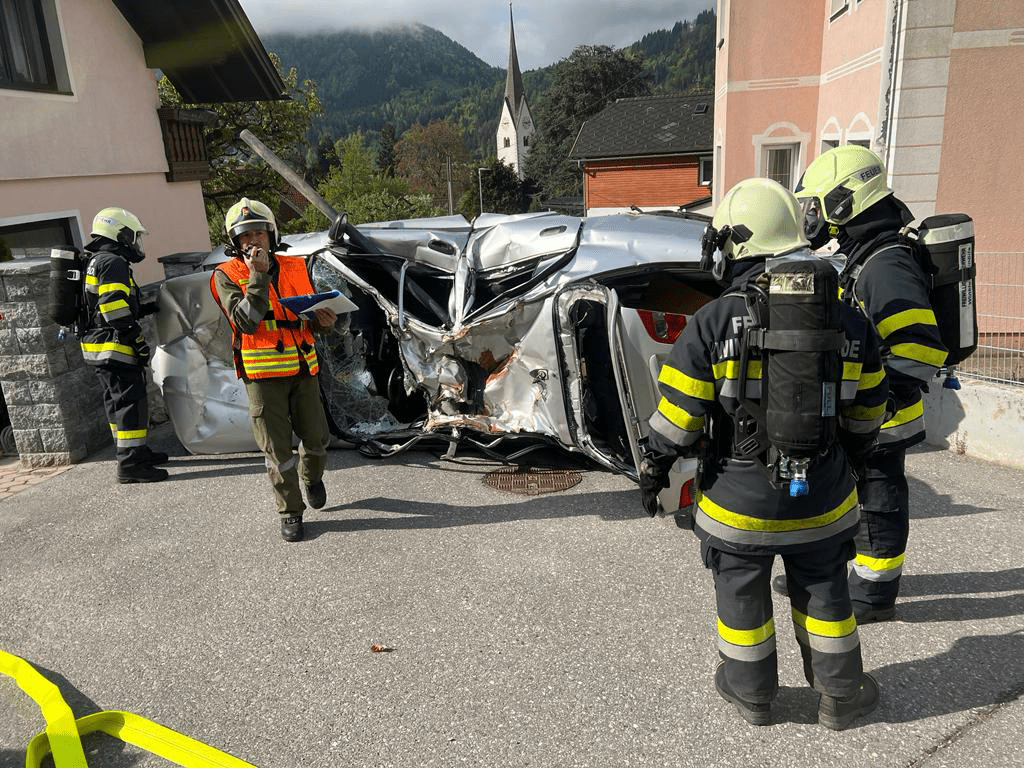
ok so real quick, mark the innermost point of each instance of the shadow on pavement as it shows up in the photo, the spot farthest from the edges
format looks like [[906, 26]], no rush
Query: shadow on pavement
[[425, 514], [971, 582], [926, 503], [976, 672]]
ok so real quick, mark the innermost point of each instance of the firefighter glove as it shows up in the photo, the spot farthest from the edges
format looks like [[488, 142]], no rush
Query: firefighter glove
[[653, 477], [142, 351]]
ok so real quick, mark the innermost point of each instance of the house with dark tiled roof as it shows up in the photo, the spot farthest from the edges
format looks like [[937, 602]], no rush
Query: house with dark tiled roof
[[648, 152]]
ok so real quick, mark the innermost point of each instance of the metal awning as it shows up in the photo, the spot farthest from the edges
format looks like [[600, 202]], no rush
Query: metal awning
[[207, 48]]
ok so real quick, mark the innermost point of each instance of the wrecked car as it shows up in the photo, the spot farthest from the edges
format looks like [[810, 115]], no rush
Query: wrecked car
[[507, 333]]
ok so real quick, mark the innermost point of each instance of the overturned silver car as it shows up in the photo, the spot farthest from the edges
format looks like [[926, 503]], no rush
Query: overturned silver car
[[507, 333]]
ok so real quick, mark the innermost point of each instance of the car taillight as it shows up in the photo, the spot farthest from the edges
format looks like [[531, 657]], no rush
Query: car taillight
[[686, 495], [664, 327]]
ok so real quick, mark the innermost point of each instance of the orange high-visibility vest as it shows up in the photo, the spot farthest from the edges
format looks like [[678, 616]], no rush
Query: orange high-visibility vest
[[282, 340]]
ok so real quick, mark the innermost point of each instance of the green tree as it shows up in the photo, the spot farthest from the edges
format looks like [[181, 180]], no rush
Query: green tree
[[365, 195], [234, 171], [501, 189], [430, 156], [386, 150], [591, 78]]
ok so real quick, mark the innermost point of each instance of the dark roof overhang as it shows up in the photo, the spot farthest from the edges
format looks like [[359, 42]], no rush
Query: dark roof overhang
[[206, 48]]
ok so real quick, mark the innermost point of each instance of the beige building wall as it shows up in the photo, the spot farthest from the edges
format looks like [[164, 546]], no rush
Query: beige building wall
[[68, 156]]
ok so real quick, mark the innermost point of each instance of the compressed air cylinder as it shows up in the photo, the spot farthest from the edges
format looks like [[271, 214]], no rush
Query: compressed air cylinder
[[800, 384]]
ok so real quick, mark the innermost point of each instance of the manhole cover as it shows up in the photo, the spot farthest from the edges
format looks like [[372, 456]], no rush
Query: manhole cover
[[532, 481]]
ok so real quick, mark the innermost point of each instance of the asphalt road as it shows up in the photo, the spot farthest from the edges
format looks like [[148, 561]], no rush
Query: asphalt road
[[565, 629]]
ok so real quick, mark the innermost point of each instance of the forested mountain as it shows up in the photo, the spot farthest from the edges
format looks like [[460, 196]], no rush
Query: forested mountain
[[415, 74]]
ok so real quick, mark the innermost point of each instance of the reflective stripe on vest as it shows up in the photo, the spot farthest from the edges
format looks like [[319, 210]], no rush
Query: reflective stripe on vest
[[275, 349]]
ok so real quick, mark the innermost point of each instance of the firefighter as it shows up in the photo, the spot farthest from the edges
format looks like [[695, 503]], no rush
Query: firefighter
[[845, 196], [112, 340], [742, 519], [275, 357]]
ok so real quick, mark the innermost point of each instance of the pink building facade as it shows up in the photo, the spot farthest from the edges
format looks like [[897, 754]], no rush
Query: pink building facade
[[932, 86]]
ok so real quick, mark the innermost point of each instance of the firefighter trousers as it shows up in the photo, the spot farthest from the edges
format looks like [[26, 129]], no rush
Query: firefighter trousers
[[277, 408], [822, 618], [127, 407], [884, 529]]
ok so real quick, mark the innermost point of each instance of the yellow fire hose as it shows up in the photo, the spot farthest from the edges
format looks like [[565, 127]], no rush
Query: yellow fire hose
[[63, 733]]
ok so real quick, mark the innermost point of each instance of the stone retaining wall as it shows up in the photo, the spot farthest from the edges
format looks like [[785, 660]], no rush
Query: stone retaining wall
[[54, 400]]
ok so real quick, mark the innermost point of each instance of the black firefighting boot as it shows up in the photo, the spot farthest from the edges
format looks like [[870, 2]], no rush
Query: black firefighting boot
[[838, 714], [141, 473], [316, 494], [755, 714], [865, 613], [291, 528], [147, 455]]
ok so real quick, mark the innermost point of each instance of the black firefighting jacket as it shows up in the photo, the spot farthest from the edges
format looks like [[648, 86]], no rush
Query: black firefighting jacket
[[885, 280], [113, 302], [737, 508]]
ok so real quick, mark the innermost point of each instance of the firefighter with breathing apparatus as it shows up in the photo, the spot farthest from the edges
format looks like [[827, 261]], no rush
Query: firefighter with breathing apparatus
[[846, 197], [112, 342], [785, 385]]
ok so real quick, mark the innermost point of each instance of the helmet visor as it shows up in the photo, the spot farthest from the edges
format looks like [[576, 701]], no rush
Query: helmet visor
[[249, 226]]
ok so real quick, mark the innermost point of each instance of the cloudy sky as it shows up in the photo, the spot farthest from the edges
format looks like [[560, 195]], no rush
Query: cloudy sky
[[546, 30]]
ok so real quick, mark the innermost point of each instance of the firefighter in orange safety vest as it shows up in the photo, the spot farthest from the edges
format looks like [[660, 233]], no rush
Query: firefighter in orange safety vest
[[274, 355]]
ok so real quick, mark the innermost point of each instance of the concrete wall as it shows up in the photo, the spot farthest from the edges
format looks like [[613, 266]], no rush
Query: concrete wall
[[983, 420]]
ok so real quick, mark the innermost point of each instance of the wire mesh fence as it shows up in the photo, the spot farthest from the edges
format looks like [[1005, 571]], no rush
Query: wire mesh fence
[[1000, 303]]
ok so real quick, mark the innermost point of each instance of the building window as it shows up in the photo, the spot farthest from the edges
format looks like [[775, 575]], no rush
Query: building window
[[838, 8], [778, 163], [34, 239], [31, 55], [827, 144], [705, 172], [526, 141], [508, 142]]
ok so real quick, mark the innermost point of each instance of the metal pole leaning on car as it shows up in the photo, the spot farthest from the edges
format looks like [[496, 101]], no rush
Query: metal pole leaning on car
[[288, 174]]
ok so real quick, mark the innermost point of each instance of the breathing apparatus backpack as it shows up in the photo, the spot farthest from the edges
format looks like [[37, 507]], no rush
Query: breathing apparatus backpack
[[943, 245], [796, 333], [67, 288]]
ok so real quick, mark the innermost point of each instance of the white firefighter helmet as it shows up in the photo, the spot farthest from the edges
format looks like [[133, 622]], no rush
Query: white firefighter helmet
[[121, 226], [758, 217], [247, 215], [843, 182]]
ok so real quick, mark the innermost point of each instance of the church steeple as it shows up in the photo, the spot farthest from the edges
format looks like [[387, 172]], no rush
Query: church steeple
[[514, 92], [515, 126]]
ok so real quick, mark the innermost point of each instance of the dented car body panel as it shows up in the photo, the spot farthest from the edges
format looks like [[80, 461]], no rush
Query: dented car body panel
[[506, 332]]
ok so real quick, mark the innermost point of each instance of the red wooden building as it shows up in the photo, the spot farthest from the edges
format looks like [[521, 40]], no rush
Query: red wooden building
[[650, 152]]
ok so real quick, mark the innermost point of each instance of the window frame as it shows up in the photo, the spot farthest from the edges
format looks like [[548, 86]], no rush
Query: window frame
[[704, 179], [838, 8], [46, 42], [69, 221], [794, 158]]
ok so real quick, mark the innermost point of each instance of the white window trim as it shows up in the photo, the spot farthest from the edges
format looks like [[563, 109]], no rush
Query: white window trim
[[860, 129], [73, 217], [778, 135], [702, 179]]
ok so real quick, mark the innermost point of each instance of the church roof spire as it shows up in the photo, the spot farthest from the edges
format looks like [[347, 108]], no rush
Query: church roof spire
[[514, 92]]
